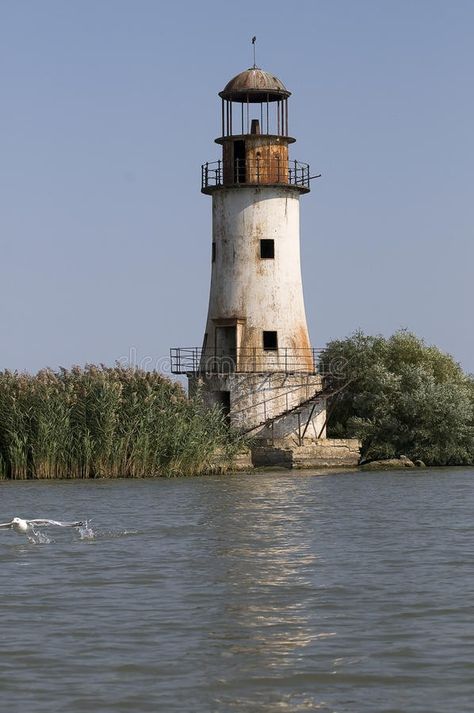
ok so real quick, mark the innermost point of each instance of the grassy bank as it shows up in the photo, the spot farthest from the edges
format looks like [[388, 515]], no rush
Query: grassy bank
[[105, 422]]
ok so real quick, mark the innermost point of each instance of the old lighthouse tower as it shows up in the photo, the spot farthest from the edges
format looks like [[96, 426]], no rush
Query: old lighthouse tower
[[256, 359]]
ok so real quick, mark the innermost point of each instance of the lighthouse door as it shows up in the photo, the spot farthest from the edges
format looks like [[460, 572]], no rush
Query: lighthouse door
[[223, 400], [226, 348], [240, 168]]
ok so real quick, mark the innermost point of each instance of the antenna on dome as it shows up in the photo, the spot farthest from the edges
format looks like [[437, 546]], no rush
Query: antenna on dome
[[254, 39]]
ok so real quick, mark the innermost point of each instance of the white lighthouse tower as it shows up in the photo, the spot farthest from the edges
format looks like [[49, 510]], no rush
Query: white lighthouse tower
[[256, 360]]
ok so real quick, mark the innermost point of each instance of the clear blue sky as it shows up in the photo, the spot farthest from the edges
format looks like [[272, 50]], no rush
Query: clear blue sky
[[110, 106]]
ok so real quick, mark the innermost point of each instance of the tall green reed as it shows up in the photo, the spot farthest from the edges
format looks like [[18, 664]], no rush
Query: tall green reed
[[106, 422]]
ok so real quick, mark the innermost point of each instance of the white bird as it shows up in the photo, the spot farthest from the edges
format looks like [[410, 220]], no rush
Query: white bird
[[25, 526]]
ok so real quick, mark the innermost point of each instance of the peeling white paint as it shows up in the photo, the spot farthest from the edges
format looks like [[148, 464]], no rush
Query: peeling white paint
[[265, 294]]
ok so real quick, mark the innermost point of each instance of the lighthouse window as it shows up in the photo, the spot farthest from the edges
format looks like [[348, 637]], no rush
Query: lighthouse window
[[270, 341], [267, 249], [213, 252]]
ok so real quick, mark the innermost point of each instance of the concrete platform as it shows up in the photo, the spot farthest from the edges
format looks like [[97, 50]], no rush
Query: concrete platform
[[321, 453]]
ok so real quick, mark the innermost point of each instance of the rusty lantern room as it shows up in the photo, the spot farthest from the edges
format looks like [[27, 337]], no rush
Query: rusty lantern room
[[254, 135]]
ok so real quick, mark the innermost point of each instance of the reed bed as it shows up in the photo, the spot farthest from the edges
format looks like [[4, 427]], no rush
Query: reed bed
[[106, 422]]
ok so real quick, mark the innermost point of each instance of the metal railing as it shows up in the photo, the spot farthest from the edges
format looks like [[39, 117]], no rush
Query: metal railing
[[257, 171], [189, 360]]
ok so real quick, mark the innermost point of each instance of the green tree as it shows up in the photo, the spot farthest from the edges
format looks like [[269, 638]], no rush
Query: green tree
[[401, 397]]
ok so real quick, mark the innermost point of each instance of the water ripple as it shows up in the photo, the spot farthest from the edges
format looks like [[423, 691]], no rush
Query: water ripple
[[248, 594]]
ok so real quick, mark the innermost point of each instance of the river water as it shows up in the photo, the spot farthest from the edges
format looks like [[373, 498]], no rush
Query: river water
[[252, 593]]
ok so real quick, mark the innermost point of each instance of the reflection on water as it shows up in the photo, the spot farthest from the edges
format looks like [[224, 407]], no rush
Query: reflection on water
[[267, 621], [266, 568], [350, 593]]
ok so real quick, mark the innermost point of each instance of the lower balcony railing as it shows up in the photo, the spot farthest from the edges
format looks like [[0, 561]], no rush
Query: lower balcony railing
[[189, 360]]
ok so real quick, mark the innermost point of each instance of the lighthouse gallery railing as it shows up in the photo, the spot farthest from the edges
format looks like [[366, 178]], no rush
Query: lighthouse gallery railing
[[186, 360], [257, 171]]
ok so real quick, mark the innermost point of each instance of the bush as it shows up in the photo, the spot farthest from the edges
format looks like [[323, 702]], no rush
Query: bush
[[402, 397]]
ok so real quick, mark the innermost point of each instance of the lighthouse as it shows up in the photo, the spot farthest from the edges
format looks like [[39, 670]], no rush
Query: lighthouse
[[256, 361]]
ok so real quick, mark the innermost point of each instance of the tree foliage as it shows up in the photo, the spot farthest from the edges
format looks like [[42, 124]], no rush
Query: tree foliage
[[402, 397]]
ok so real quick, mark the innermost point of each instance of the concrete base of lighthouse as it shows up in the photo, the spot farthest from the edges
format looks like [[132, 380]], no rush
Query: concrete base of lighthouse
[[271, 406], [283, 414]]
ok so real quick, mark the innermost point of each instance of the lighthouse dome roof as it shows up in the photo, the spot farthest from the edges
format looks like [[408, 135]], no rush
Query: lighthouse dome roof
[[254, 85]]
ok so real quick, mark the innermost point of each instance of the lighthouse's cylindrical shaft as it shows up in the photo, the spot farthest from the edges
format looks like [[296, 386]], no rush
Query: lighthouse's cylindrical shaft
[[256, 272]]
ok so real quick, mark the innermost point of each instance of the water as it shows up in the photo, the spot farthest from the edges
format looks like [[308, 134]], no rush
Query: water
[[257, 594]]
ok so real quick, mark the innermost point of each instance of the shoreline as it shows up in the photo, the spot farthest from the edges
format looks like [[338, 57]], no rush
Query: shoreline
[[257, 472]]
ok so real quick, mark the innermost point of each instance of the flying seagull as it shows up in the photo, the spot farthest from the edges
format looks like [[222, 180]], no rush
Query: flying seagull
[[25, 526]]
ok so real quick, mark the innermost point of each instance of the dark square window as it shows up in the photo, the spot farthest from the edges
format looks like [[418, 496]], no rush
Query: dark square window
[[213, 252], [270, 341], [267, 249]]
